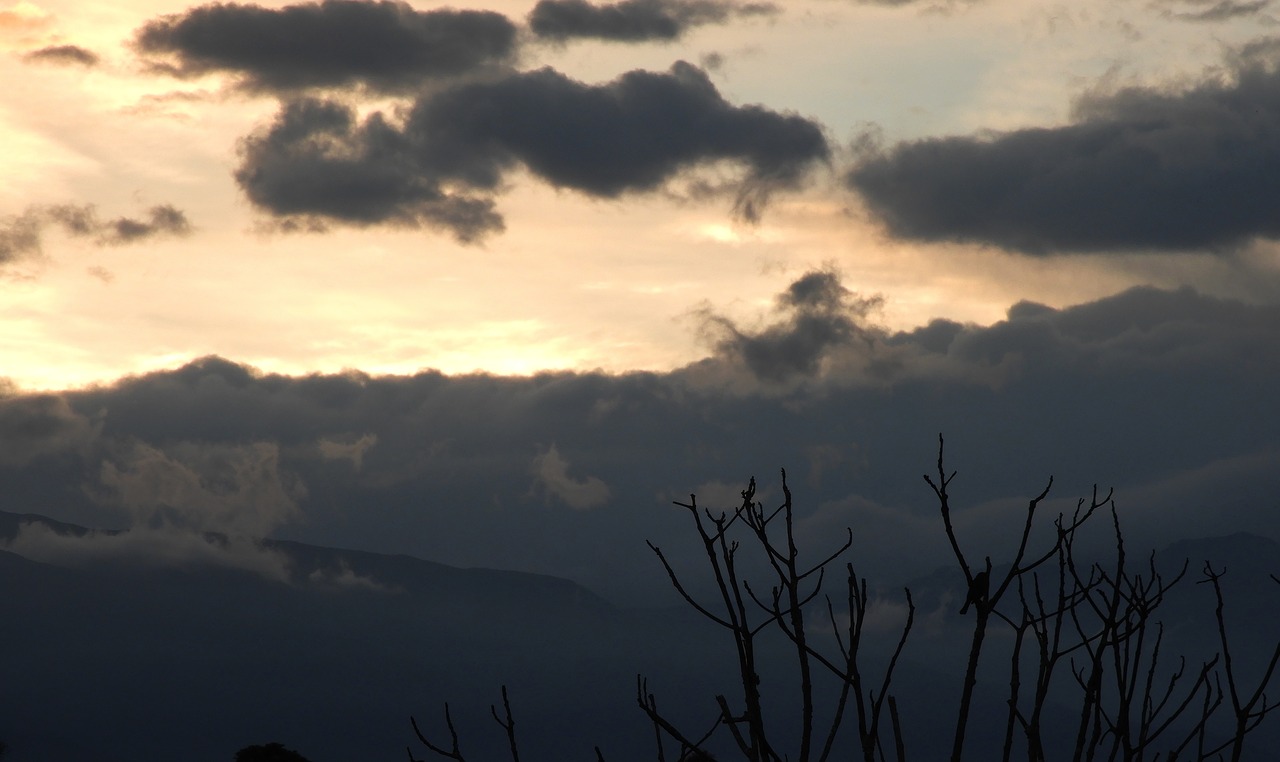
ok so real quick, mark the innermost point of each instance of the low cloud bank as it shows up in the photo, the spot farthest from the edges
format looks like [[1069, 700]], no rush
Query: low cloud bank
[[1166, 395]]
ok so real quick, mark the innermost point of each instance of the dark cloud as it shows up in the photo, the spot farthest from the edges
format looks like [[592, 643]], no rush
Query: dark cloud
[[1167, 395], [63, 54], [1139, 169], [21, 235], [442, 164], [83, 221], [334, 43], [316, 163], [38, 425], [931, 5], [634, 20], [1223, 10], [161, 220], [818, 315], [1143, 329]]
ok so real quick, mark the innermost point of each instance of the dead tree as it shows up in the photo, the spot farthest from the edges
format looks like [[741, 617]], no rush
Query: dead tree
[[747, 613], [984, 592], [1100, 619], [1084, 633], [1246, 714], [1129, 699]]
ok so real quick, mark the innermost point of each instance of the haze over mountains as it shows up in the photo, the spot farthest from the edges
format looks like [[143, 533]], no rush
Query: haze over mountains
[[119, 659]]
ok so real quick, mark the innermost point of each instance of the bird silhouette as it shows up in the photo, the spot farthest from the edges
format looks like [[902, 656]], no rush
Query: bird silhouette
[[977, 590]]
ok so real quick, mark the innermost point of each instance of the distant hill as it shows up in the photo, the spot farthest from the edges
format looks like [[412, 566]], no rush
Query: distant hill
[[189, 657], [118, 661]]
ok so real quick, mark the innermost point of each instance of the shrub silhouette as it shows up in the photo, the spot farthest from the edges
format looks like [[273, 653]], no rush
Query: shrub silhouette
[[1080, 640]]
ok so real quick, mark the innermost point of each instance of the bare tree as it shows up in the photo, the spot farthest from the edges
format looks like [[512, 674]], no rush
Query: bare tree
[[1083, 633], [794, 591], [1246, 714]]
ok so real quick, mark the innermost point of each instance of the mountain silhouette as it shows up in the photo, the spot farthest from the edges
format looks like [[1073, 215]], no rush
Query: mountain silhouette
[[193, 661]]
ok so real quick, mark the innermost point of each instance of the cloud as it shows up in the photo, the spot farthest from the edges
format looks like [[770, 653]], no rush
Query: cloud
[[441, 165], [21, 235], [1139, 169], [343, 577], [818, 314], [315, 163], [345, 449], [163, 546], [63, 54], [929, 6], [161, 220], [634, 20], [551, 472], [386, 46], [1144, 390], [189, 504], [1143, 331], [101, 273], [1223, 10], [38, 425], [233, 490]]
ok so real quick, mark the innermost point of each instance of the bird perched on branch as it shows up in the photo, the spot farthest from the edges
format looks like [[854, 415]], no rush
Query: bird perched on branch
[[978, 589]]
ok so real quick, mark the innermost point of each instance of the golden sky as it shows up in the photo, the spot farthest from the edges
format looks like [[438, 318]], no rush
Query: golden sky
[[574, 281]]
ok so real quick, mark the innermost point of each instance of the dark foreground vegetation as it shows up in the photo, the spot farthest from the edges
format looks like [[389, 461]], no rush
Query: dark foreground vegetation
[[1077, 641]]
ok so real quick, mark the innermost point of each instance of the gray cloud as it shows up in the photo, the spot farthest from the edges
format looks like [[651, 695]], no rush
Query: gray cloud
[[187, 504], [1139, 169], [316, 163], [32, 426], [21, 235], [1222, 10], [936, 6], [817, 315], [63, 54], [233, 490], [334, 43], [634, 20], [161, 220], [441, 166], [551, 474], [1145, 390], [148, 546]]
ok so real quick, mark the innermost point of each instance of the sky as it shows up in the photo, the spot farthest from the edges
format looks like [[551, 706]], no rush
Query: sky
[[594, 236], [458, 280]]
